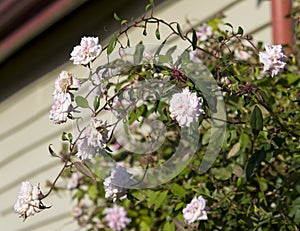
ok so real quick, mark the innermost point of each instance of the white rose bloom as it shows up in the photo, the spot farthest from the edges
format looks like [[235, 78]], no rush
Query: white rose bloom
[[195, 210], [64, 83], [29, 202], [116, 184], [87, 51], [273, 59], [61, 108], [95, 138], [185, 107]]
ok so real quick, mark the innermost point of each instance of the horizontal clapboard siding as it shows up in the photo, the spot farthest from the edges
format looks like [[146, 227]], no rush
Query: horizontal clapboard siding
[[26, 130]]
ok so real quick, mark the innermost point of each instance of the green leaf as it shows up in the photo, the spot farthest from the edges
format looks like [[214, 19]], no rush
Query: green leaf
[[180, 31], [234, 150], [51, 151], [256, 121], [171, 50], [138, 54], [96, 102], [221, 173], [254, 161], [64, 136], [92, 192], [169, 226], [240, 31], [81, 102], [156, 199], [116, 17], [112, 44], [178, 190], [194, 40], [228, 24], [124, 21], [83, 168], [157, 33]]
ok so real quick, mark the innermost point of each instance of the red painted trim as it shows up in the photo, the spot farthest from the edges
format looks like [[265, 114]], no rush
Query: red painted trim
[[282, 26], [31, 28]]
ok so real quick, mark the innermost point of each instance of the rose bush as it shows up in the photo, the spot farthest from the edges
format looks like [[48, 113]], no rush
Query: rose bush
[[253, 182]]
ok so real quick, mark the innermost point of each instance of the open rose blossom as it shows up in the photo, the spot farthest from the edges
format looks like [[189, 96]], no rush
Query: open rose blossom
[[196, 210], [185, 107], [29, 200], [87, 51], [273, 59], [116, 184], [116, 217]]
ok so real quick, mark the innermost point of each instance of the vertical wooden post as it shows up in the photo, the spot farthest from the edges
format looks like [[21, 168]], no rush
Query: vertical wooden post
[[282, 26]]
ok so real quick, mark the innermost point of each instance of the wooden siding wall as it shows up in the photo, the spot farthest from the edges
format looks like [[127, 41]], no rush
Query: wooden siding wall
[[26, 130]]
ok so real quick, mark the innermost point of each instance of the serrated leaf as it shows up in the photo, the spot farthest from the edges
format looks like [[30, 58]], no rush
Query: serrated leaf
[[81, 102], [112, 44], [157, 33], [116, 17], [161, 198], [83, 168], [256, 120], [194, 40], [51, 151]]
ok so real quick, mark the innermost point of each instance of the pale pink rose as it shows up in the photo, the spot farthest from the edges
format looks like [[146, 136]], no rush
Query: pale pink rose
[[29, 200], [74, 181], [61, 108], [64, 83], [87, 51], [273, 59], [196, 210], [95, 137], [116, 218], [116, 184], [185, 107]]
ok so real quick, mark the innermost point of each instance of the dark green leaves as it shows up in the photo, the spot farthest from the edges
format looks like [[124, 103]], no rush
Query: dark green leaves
[[256, 121], [194, 40], [81, 102], [112, 44], [157, 33]]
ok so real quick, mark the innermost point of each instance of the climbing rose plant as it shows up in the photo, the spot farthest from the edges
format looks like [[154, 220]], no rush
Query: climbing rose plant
[[226, 106]]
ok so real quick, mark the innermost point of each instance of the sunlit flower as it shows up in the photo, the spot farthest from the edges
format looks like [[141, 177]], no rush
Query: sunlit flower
[[204, 32], [116, 217], [85, 151], [185, 107], [95, 138], [29, 200], [64, 83], [116, 184], [87, 51], [61, 108], [273, 59], [196, 210]]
